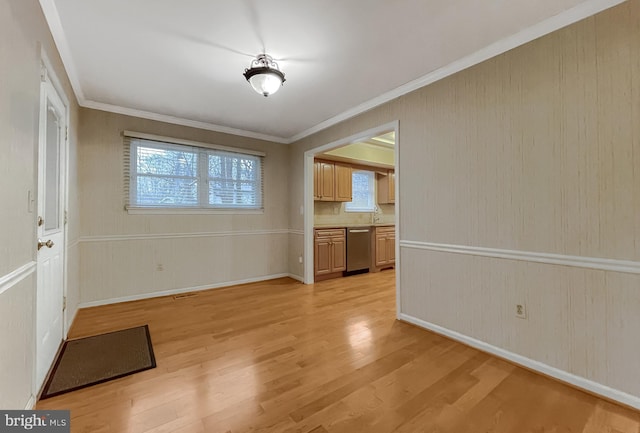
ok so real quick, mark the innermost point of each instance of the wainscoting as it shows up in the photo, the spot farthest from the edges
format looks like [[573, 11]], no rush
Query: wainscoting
[[17, 334], [127, 267], [330, 357], [581, 325]]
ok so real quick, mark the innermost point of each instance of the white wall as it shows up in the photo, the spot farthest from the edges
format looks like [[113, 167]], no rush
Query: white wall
[[122, 254], [527, 164], [23, 34]]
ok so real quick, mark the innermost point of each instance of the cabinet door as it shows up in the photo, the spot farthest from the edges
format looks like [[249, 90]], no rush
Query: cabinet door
[[382, 180], [316, 180], [343, 183], [327, 181], [381, 249], [392, 186], [339, 250], [322, 256], [391, 248]]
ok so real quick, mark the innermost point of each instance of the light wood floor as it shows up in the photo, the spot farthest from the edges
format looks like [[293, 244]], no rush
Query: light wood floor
[[283, 357]]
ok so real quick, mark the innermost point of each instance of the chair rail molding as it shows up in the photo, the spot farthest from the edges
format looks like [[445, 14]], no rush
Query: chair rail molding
[[603, 264], [17, 275], [152, 236]]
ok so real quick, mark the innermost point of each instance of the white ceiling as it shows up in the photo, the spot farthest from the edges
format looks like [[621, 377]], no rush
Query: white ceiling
[[182, 61]]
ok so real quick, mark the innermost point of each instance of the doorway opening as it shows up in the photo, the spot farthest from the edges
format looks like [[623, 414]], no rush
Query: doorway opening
[[369, 162]]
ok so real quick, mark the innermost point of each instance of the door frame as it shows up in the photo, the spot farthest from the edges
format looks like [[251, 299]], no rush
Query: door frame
[[47, 75], [308, 196]]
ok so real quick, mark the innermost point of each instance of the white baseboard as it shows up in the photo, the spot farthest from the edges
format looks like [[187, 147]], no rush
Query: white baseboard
[[67, 326], [178, 291], [296, 277], [561, 375], [31, 403]]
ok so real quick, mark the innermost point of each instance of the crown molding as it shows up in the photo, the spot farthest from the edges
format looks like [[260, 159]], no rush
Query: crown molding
[[52, 17], [180, 121], [556, 22], [563, 19]]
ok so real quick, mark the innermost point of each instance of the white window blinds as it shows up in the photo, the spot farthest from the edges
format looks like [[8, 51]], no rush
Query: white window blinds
[[160, 174]]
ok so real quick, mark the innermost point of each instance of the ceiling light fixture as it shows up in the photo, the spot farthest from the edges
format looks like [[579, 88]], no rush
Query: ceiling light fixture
[[264, 75]]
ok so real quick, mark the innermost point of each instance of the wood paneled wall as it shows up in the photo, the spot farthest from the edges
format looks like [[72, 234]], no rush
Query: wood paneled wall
[[24, 35], [125, 256], [534, 151]]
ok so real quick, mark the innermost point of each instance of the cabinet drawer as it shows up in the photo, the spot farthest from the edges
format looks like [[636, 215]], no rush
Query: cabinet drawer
[[386, 229], [327, 233]]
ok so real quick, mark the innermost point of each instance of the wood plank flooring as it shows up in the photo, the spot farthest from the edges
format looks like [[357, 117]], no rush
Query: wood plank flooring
[[282, 357]]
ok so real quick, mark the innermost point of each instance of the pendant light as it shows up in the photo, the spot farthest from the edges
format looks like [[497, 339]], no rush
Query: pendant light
[[264, 75]]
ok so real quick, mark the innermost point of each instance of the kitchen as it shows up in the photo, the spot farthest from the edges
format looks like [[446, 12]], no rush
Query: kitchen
[[354, 208]]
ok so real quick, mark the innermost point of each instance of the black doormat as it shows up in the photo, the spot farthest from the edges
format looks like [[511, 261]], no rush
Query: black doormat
[[92, 360]]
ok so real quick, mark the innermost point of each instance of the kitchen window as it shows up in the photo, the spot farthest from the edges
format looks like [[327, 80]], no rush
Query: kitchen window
[[363, 192], [175, 176]]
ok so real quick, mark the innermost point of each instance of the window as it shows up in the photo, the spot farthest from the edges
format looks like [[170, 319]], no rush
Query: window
[[167, 175], [363, 192]]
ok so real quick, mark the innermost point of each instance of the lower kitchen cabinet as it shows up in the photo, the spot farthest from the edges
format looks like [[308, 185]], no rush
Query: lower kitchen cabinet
[[384, 247], [330, 253]]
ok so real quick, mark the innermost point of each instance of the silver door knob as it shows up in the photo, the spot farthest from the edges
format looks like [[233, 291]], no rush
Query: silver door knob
[[47, 244]]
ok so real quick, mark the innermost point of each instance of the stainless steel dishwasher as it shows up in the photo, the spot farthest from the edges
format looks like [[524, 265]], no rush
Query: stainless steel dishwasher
[[358, 249]]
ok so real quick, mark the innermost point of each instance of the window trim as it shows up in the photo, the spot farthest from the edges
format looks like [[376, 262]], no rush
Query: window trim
[[203, 150]]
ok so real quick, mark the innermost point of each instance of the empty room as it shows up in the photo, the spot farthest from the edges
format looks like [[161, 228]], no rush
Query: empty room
[[320, 217]]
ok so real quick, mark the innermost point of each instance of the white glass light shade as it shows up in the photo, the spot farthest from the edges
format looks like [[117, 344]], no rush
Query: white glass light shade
[[266, 83], [264, 75]]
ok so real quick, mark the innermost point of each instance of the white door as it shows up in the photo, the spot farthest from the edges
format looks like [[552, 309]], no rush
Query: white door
[[50, 231]]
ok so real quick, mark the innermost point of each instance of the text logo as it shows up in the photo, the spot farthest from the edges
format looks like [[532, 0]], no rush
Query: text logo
[[43, 421]]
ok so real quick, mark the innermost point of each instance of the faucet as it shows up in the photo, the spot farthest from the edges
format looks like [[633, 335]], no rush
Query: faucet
[[375, 215]]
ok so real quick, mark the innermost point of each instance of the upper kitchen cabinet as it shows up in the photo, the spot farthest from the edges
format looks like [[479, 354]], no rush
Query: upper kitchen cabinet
[[343, 182], [331, 181], [386, 187], [324, 180]]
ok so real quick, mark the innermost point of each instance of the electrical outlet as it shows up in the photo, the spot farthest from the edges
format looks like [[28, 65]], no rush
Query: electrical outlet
[[521, 311], [299, 259]]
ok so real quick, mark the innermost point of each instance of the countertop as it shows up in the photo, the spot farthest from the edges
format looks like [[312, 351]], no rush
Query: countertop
[[342, 226]]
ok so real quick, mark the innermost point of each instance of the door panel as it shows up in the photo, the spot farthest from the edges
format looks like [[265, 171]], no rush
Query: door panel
[[322, 256], [339, 254], [391, 248], [50, 243], [327, 184], [381, 250], [343, 183], [316, 180]]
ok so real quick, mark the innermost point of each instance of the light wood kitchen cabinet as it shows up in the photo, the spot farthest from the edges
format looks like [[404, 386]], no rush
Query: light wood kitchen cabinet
[[316, 180], [330, 252], [343, 181], [384, 247], [386, 187], [326, 181], [331, 181]]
